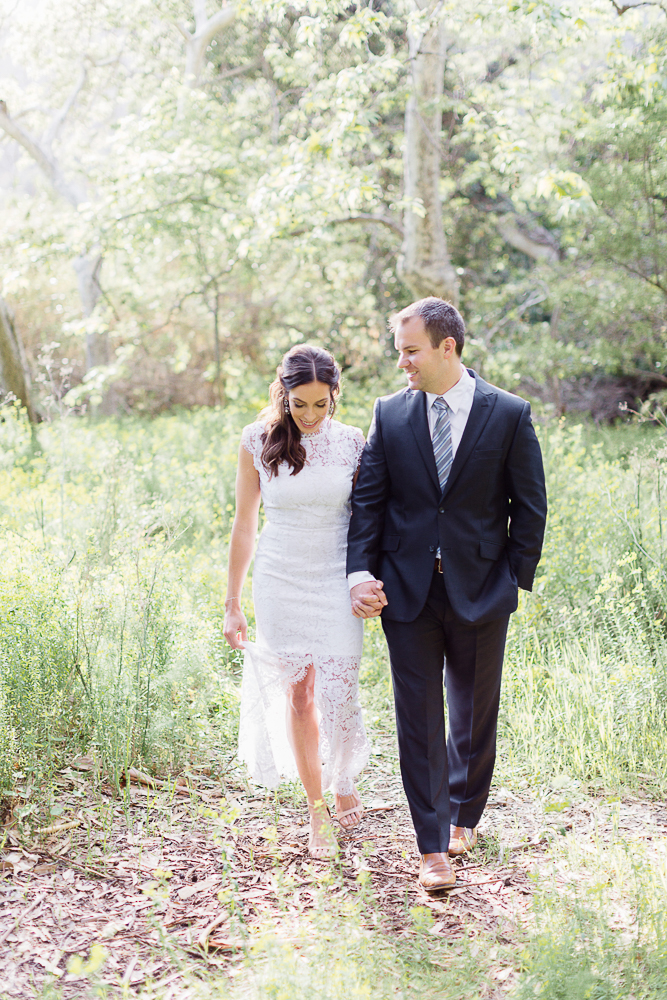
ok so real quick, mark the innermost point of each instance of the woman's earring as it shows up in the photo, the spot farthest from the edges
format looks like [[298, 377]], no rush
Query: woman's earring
[[331, 407], [286, 404]]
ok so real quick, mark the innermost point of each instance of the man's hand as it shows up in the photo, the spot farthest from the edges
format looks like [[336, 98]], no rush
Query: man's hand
[[368, 599], [235, 625]]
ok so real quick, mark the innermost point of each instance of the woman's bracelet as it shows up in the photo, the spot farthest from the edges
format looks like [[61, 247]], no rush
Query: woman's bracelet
[[230, 599]]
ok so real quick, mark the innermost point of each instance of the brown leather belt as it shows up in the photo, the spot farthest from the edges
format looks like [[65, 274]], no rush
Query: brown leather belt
[[438, 564]]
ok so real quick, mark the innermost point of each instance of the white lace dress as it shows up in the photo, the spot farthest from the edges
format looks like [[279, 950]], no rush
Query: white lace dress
[[302, 612]]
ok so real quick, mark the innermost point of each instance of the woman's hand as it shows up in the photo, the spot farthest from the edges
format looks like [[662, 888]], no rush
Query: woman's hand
[[241, 544], [235, 628]]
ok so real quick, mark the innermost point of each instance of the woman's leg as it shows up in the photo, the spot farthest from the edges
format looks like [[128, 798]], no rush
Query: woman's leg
[[343, 738], [303, 734]]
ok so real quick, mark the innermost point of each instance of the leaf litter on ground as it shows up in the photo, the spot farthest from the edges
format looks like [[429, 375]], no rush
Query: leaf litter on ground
[[155, 888]]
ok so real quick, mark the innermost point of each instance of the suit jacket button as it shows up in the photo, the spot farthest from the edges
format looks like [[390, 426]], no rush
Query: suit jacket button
[[431, 548], [441, 510]]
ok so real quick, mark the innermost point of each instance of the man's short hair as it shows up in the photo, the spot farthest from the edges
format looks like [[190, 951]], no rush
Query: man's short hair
[[440, 318]]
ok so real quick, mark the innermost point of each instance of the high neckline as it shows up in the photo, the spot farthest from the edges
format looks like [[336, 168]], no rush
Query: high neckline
[[322, 428]]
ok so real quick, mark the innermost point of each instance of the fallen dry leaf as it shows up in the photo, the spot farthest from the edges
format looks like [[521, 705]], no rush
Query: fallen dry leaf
[[205, 885], [60, 827], [208, 930], [139, 778], [83, 763]]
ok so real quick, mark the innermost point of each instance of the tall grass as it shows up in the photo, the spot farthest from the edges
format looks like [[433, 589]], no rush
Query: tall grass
[[113, 550], [586, 669], [113, 540], [599, 926]]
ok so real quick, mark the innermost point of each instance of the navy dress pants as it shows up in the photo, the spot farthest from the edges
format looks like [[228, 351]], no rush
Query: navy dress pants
[[446, 778]]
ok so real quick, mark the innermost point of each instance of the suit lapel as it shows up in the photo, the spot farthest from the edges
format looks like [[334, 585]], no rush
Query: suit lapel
[[483, 403], [415, 402]]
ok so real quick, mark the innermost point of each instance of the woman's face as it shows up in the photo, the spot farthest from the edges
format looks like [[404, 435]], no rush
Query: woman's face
[[309, 405]]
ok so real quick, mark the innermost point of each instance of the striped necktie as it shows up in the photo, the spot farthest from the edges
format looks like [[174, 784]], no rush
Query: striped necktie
[[442, 441]]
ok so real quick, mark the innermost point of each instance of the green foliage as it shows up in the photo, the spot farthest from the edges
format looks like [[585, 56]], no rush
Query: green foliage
[[586, 670], [583, 947], [113, 549], [265, 205], [36, 656]]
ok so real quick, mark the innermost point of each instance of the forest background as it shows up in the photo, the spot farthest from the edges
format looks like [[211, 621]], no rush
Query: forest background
[[185, 191]]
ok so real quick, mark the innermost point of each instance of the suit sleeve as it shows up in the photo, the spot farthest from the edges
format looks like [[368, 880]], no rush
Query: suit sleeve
[[527, 501], [369, 499]]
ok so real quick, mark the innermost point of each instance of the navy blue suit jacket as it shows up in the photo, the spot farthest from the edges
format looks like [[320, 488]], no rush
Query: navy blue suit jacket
[[488, 523]]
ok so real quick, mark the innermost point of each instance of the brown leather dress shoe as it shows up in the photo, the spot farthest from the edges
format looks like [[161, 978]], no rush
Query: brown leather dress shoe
[[436, 872], [462, 839]]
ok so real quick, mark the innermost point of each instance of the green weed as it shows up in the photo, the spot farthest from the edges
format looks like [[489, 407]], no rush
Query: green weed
[[600, 931], [112, 543]]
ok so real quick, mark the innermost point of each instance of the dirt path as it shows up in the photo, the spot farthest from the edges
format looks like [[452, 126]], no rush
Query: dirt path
[[173, 886]]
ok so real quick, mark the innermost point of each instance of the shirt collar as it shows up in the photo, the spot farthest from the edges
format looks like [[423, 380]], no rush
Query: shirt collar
[[457, 395]]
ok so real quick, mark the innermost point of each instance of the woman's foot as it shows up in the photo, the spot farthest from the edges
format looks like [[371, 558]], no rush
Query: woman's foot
[[349, 809], [322, 843]]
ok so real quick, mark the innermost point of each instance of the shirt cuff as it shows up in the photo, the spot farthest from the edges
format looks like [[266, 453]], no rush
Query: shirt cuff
[[362, 576]]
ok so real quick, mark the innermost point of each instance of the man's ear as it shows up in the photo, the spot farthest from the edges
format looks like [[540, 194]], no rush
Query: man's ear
[[448, 347]]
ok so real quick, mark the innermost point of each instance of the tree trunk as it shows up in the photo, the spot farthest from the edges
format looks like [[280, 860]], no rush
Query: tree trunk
[[424, 265], [88, 269], [14, 375], [87, 266]]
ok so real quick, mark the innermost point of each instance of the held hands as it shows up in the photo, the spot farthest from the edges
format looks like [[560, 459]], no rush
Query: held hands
[[368, 599], [235, 628]]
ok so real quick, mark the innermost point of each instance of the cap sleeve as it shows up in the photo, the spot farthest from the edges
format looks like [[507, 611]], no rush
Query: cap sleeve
[[358, 442], [251, 440]]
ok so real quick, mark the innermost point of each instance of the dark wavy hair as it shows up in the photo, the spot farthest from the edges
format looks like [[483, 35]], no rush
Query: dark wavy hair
[[301, 365]]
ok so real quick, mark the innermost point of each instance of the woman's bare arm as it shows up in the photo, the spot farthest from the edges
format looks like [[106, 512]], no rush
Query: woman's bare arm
[[241, 546]]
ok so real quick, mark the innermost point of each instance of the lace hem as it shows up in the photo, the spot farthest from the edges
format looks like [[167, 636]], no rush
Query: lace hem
[[263, 743]]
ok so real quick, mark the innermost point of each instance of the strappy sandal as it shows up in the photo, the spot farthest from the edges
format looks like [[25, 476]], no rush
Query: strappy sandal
[[326, 851], [342, 813]]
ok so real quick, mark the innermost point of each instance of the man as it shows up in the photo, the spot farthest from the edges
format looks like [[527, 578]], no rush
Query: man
[[448, 518]]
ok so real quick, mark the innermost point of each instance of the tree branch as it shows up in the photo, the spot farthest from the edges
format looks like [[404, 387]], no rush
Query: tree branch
[[633, 6], [532, 299], [240, 70], [649, 376], [541, 248], [381, 220], [200, 15], [497, 67], [189, 200], [61, 115], [654, 282], [205, 31], [42, 157], [521, 232]]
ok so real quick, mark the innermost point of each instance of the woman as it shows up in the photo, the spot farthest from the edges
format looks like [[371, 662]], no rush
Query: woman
[[305, 664]]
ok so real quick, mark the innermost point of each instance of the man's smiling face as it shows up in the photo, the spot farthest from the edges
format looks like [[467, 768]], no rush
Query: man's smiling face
[[427, 368]]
